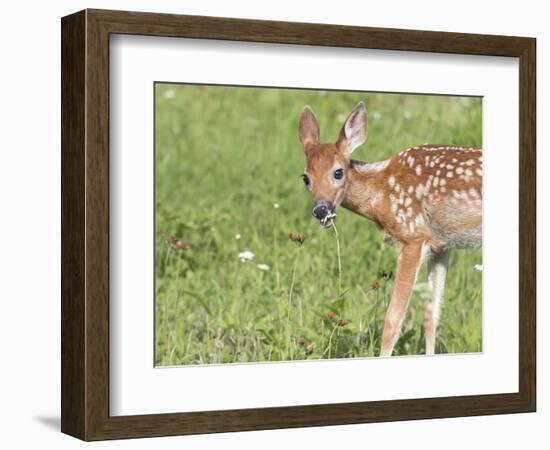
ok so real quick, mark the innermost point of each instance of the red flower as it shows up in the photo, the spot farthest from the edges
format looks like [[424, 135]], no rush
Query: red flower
[[330, 315]]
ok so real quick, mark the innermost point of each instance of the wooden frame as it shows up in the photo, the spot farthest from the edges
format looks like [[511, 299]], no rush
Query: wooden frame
[[85, 224]]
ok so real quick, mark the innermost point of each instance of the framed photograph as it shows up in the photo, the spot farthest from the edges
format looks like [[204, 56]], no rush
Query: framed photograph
[[273, 225]]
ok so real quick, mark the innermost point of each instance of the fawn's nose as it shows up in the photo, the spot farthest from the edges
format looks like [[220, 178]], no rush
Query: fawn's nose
[[321, 209]]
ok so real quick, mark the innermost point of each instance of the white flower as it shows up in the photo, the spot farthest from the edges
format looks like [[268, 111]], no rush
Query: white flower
[[245, 256], [237, 236], [479, 267], [376, 115], [169, 93], [276, 205], [263, 266]]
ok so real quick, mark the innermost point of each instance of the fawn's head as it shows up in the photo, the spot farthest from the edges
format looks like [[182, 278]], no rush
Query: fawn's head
[[327, 166]]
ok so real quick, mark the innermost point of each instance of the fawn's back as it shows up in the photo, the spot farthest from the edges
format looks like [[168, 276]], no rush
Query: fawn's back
[[433, 193]]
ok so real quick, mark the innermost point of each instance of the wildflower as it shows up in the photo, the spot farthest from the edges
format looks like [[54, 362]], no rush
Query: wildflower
[[178, 244], [276, 205], [375, 285], [330, 315], [297, 237], [263, 267], [237, 236], [245, 256], [169, 93], [479, 267]]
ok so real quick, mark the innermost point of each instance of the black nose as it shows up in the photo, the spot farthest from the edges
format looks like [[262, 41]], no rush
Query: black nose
[[320, 210]]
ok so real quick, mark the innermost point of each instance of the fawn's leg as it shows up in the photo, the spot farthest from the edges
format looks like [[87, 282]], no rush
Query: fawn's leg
[[409, 261], [437, 272]]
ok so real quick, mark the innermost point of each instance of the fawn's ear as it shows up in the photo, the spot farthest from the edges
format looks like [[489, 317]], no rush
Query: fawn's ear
[[308, 129], [354, 131]]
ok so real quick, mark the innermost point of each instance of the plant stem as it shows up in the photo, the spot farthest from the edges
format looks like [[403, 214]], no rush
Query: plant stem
[[291, 290], [339, 260]]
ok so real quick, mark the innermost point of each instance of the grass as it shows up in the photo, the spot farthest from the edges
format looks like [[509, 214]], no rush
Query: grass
[[228, 163]]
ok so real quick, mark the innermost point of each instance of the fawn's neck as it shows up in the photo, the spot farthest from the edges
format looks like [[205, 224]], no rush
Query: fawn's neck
[[364, 192]]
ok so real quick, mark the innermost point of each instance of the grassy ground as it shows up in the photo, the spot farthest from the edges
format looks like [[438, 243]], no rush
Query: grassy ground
[[227, 180]]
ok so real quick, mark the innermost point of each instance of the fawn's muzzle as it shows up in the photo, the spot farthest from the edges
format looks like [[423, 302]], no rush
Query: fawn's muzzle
[[324, 211]]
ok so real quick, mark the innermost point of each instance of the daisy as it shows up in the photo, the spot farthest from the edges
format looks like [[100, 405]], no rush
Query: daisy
[[245, 256]]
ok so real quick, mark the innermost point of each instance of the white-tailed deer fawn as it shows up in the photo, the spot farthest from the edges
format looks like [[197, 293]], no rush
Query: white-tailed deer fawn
[[426, 199]]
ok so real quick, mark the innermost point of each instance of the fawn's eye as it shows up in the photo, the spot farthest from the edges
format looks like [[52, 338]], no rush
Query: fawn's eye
[[306, 179], [339, 174]]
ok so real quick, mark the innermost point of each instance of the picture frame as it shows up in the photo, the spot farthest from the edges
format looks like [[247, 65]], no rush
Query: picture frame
[[85, 224]]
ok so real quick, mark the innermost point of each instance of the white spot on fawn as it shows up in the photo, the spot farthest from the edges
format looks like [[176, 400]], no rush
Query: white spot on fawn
[[391, 181], [473, 193], [419, 191]]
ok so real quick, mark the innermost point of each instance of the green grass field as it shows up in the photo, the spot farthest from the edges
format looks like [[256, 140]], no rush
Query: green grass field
[[228, 166]]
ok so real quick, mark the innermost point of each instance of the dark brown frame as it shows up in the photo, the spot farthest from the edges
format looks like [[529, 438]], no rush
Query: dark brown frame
[[85, 224]]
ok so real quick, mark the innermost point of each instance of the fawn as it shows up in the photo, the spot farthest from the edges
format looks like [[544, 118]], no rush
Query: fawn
[[426, 199]]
